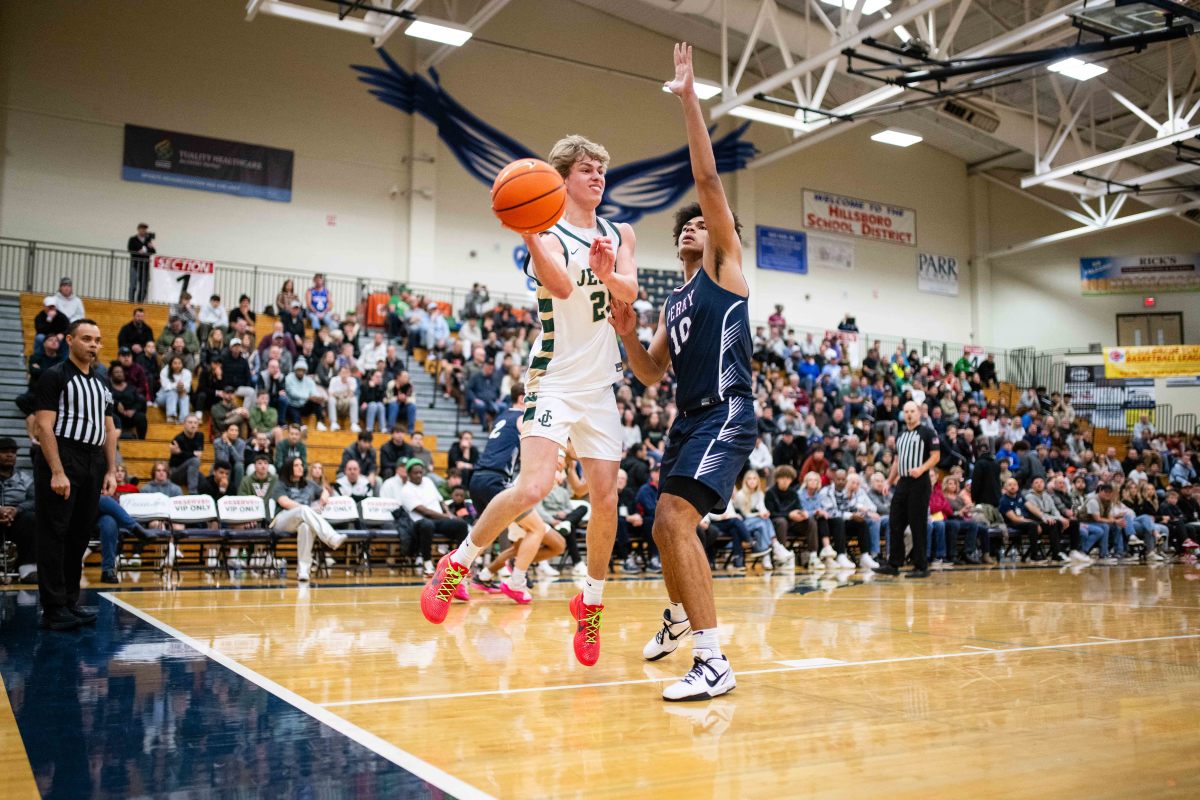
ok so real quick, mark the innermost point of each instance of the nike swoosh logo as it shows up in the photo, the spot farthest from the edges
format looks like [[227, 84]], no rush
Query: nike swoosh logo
[[712, 683]]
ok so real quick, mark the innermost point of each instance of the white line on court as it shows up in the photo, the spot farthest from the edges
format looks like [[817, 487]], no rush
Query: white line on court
[[1103, 638], [986, 649], [764, 671], [402, 758]]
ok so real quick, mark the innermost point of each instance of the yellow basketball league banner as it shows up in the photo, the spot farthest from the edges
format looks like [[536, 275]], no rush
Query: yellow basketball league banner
[[1167, 361]]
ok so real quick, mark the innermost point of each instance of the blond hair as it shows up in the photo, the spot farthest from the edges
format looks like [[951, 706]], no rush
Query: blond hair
[[569, 149]]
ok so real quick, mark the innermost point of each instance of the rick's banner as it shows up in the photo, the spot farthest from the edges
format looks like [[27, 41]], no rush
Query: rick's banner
[[1140, 274]]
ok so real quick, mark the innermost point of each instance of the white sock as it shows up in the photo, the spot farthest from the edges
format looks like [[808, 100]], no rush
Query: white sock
[[516, 581], [709, 639], [593, 591], [677, 613], [466, 553], [24, 570], [485, 574]]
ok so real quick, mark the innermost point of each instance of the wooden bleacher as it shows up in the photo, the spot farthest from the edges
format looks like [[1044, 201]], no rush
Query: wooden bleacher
[[139, 456]]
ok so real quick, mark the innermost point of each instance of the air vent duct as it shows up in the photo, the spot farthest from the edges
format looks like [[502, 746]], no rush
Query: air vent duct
[[971, 115]]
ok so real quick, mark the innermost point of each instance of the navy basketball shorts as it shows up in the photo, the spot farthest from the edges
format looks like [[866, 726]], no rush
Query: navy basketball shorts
[[712, 446], [485, 485]]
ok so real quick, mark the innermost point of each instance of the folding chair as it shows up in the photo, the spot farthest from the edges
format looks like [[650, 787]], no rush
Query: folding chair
[[377, 517], [194, 513], [343, 511], [151, 507], [234, 512]]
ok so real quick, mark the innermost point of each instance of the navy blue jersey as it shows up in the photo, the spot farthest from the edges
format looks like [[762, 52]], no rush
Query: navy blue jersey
[[503, 446], [708, 335]]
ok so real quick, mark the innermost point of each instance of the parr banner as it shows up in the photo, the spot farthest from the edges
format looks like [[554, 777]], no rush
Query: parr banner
[[170, 276], [170, 158], [1167, 361], [865, 219], [937, 274], [1140, 274]]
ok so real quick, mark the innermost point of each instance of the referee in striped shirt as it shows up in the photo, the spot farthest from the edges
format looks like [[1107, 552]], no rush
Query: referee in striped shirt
[[73, 411], [917, 452]]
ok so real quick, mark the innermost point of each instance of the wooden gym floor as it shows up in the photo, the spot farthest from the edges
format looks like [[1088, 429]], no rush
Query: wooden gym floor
[[990, 682]]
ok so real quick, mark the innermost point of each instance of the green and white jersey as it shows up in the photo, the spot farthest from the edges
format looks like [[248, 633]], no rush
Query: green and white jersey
[[577, 348]]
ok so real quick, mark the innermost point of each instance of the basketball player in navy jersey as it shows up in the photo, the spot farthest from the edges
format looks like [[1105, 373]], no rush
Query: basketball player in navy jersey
[[704, 333]]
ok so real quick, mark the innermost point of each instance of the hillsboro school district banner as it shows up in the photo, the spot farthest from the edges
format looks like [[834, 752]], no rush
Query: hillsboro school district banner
[[1166, 361], [1140, 274], [866, 219], [187, 161]]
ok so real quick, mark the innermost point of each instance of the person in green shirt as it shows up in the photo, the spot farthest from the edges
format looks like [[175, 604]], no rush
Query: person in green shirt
[[259, 482], [964, 366], [291, 447], [264, 418]]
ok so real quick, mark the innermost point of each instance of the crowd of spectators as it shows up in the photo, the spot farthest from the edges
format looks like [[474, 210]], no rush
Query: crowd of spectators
[[1013, 483]]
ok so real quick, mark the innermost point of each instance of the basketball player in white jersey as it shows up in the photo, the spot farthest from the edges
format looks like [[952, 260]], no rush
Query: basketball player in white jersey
[[580, 265]]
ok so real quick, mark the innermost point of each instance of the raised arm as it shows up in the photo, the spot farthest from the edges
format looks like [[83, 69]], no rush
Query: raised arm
[[549, 260], [718, 217], [648, 365]]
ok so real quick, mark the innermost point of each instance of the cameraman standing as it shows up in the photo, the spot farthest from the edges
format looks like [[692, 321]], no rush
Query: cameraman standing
[[141, 247]]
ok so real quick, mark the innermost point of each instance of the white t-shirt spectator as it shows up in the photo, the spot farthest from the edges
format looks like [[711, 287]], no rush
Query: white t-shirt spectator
[[217, 317], [70, 307], [392, 488], [424, 494], [343, 388]]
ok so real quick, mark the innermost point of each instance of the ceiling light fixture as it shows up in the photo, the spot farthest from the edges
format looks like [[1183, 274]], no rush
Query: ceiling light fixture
[[436, 30], [868, 6], [1079, 70], [705, 90], [896, 137]]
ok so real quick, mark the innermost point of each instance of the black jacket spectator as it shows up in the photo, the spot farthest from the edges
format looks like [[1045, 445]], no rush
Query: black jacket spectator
[[134, 332], [235, 371], [391, 454], [50, 327], [985, 480], [42, 362], [788, 452], [293, 324], [366, 459]]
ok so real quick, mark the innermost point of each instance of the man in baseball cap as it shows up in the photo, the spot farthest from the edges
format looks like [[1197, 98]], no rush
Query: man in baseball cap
[[69, 305]]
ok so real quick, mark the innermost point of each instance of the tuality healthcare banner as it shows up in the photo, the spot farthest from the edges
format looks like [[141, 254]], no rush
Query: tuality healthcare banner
[[170, 158], [865, 219]]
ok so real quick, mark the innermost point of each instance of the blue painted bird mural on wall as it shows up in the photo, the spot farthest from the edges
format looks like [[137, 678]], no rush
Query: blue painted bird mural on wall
[[633, 190]]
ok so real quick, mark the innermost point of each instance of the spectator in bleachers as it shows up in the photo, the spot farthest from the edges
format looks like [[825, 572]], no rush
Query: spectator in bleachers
[[476, 301], [135, 334], [260, 481], [463, 456], [176, 385], [728, 523], [303, 396], [213, 349], [213, 316], [17, 519], [160, 482], [394, 453], [483, 395], [352, 483], [225, 412], [186, 449], [343, 399], [264, 418], [276, 337], [49, 322], [346, 358], [1183, 472], [52, 353], [69, 303], [292, 318], [230, 448], [184, 311], [190, 360], [318, 304], [175, 329], [286, 297], [300, 501], [273, 382], [221, 483], [1017, 519], [362, 451], [243, 312], [148, 361], [374, 351], [316, 474], [290, 447], [421, 499], [141, 247], [782, 500], [557, 511], [129, 403], [370, 400]]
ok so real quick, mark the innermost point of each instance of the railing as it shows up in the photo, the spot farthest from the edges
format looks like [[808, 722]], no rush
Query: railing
[[29, 266], [103, 273]]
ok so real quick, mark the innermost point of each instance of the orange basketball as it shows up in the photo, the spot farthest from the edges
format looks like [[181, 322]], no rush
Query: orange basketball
[[528, 196]]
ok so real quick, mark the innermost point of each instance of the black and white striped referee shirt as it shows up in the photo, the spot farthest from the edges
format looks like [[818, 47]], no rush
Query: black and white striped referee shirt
[[80, 401], [914, 447]]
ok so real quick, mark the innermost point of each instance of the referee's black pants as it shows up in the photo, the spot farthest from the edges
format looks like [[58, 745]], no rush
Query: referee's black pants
[[66, 526], [910, 509]]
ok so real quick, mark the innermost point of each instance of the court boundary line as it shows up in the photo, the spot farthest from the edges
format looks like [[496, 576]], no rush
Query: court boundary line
[[398, 756], [763, 671]]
